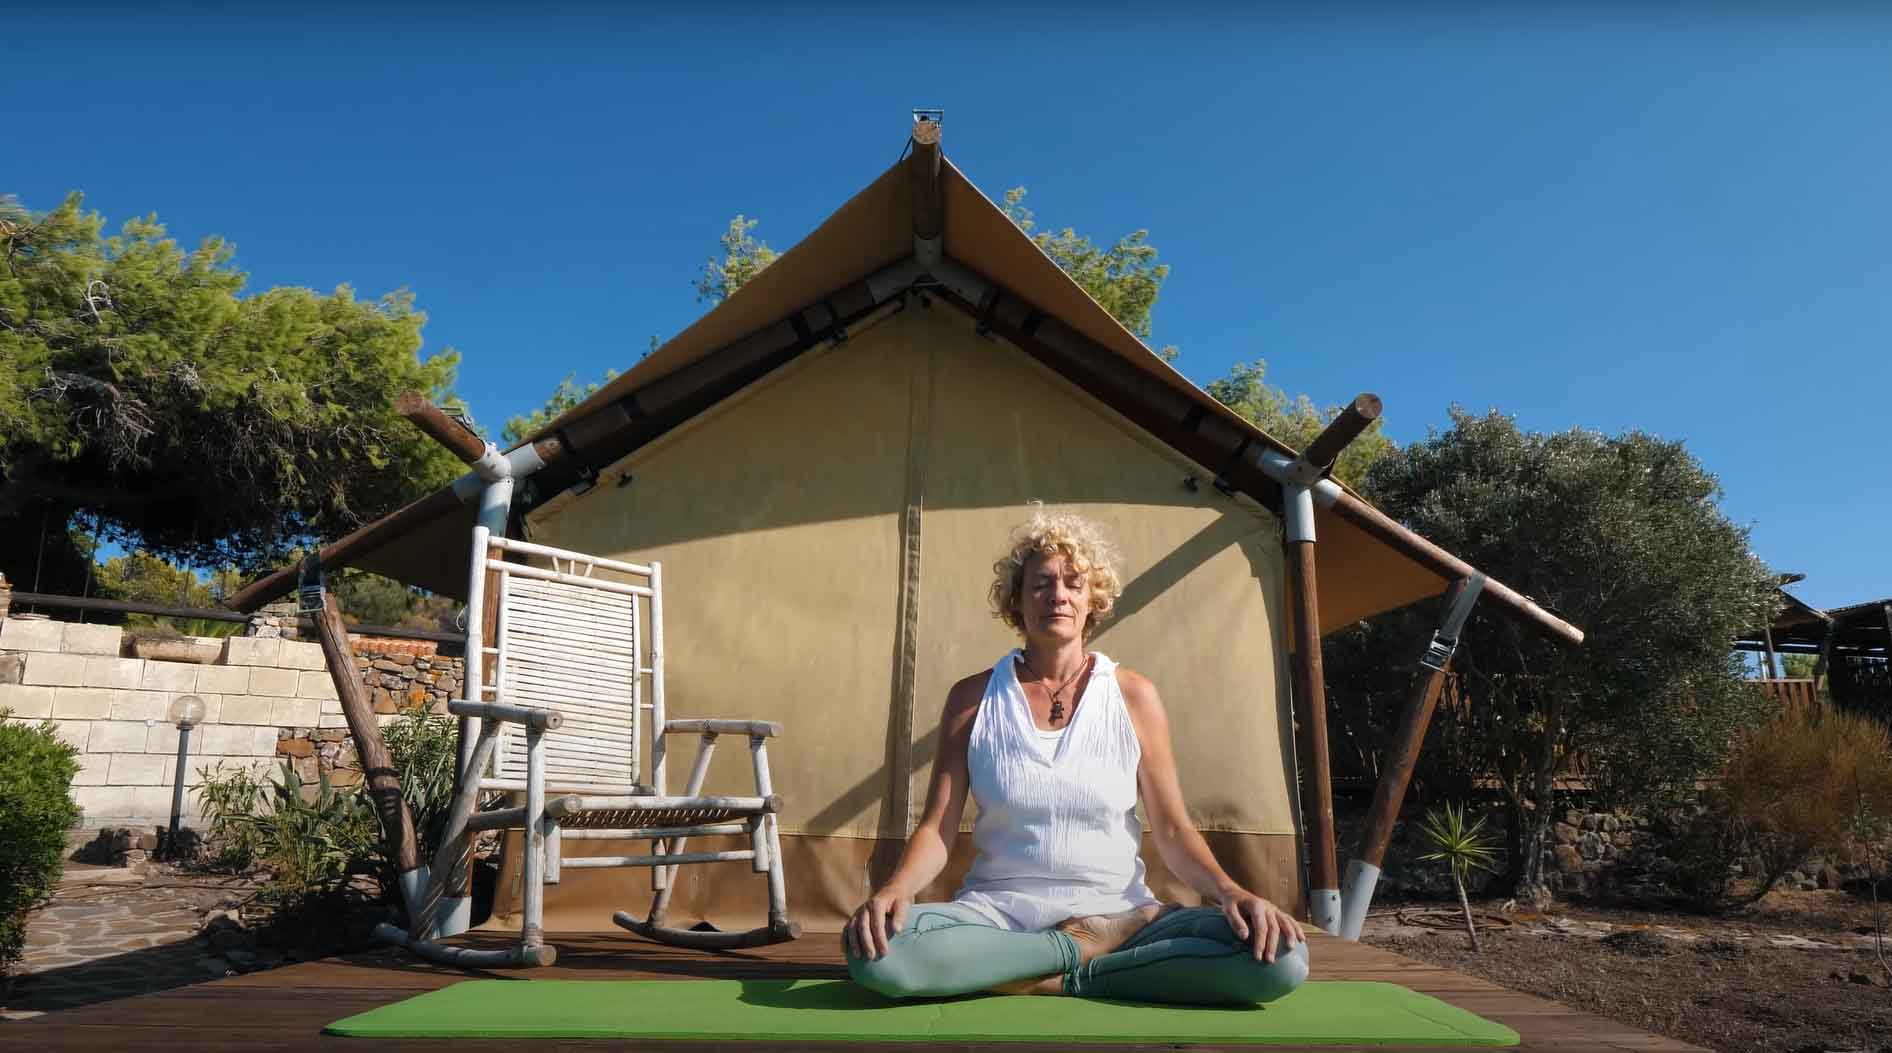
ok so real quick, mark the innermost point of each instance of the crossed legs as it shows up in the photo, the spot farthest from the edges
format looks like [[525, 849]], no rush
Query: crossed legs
[[1186, 955]]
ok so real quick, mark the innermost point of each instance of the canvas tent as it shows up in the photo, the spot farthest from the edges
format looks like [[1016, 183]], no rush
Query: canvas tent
[[827, 465]]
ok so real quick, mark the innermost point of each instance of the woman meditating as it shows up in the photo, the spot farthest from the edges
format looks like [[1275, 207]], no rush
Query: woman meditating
[[1057, 745]]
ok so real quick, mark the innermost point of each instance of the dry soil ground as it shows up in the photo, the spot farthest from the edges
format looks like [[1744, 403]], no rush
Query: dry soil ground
[[1797, 972]]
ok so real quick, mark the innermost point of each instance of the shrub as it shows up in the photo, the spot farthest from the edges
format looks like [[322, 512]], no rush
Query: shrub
[[36, 810], [229, 799], [1814, 780], [1705, 845], [312, 844], [425, 748]]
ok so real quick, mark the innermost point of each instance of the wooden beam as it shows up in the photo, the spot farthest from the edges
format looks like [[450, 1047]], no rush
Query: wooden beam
[[1129, 391], [94, 603], [1310, 695], [439, 427], [929, 217], [345, 551], [1450, 567], [1343, 429], [377, 764], [620, 427], [1402, 753]]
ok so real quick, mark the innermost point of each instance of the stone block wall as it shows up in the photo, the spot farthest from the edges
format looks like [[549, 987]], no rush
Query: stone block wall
[[265, 698]]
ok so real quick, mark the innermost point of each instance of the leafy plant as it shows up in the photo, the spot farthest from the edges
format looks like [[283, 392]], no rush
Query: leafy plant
[[310, 843], [36, 809], [1462, 848], [228, 799], [425, 749], [314, 844], [313, 841]]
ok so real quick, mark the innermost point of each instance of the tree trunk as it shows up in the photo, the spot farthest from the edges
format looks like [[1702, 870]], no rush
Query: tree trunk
[[1535, 828], [1465, 905]]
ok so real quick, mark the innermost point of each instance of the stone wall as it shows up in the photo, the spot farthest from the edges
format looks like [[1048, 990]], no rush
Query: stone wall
[[399, 674], [1598, 857], [265, 698]]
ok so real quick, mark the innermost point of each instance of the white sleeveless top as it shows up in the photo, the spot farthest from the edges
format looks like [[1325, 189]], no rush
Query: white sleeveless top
[[1057, 833]]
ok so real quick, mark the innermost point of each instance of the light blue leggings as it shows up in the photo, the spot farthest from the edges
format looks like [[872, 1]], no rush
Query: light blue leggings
[[1188, 956]]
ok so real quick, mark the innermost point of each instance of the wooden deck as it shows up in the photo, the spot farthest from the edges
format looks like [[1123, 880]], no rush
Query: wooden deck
[[286, 1008]]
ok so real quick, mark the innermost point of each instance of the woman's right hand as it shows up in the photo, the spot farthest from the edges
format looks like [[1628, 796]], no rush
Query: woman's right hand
[[877, 921]]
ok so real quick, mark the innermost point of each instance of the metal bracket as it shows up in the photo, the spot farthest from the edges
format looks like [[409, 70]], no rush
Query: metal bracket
[[309, 591], [1222, 482], [983, 326], [587, 477], [1444, 641]]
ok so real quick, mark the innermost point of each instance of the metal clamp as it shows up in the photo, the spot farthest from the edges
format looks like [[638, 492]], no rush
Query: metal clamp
[[309, 592], [1444, 641]]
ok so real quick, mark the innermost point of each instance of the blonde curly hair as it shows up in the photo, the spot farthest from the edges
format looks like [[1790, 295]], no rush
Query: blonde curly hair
[[1080, 541]]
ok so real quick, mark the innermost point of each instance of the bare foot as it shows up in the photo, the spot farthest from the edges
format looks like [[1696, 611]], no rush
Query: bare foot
[[1094, 934], [1099, 934]]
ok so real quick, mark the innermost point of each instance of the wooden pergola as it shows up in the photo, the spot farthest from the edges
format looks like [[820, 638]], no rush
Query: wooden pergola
[[1853, 644]]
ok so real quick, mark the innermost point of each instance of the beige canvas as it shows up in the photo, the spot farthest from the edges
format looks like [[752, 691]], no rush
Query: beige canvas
[[1202, 572], [783, 519]]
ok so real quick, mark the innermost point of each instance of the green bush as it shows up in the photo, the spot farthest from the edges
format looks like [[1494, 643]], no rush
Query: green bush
[[229, 799], [425, 748], [312, 844], [36, 810]]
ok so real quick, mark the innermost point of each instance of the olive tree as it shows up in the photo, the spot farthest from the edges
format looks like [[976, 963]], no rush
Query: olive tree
[[1621, 535]]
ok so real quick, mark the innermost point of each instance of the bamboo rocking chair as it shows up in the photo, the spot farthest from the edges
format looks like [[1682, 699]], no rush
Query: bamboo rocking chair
[[571, 657]]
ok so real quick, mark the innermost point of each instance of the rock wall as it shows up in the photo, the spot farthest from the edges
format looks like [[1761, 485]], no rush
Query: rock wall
[[265, 698], [1598, 857], [399, 674]]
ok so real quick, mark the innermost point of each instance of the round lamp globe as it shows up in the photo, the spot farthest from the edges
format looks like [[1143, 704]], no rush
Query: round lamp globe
[[187, 711]]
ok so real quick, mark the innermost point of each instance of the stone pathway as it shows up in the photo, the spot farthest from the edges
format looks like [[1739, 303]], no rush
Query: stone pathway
[[111, 933], [1425, 921]]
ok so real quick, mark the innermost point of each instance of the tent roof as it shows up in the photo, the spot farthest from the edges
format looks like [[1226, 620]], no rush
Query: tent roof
[[821, 282]]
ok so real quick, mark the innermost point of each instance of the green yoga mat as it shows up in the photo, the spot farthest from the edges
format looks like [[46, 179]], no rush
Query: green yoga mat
[[1331, 1012]]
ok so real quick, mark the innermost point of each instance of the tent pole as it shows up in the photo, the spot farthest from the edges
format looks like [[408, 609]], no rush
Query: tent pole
[[1310, 692], [495, 473], [1298, 478], [377, 765], [1402, 755]]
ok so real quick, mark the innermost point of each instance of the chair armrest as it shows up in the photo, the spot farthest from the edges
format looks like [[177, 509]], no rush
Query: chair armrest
[[760, 728], [543, 719]]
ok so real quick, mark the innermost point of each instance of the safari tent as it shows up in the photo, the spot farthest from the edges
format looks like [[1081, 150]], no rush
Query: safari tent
[[828, 463]]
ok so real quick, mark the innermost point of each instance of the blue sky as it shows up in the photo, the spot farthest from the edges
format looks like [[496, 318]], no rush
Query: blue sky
[[1610, 216]]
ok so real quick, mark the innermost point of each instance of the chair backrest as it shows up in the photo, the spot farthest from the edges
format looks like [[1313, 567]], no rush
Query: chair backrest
[[571, 640]]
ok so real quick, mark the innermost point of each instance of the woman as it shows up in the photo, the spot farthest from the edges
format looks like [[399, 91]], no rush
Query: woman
[[1057, 745]]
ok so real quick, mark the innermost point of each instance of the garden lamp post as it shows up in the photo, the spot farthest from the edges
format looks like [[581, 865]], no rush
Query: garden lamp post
[[187, 711]]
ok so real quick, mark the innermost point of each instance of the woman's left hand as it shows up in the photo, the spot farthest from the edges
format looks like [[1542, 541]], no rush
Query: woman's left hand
[[1262, 924]]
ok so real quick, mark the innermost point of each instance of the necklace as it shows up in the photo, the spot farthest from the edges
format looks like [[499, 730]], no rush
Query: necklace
[[1057, 702]]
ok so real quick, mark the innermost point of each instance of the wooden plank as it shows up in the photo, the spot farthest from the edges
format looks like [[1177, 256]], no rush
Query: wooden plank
[[286, 1008]]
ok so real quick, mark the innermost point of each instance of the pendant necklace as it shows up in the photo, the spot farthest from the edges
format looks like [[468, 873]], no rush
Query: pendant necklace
[[1057, 701]]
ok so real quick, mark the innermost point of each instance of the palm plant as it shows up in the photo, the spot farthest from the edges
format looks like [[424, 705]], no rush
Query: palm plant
[[1462, 848]]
